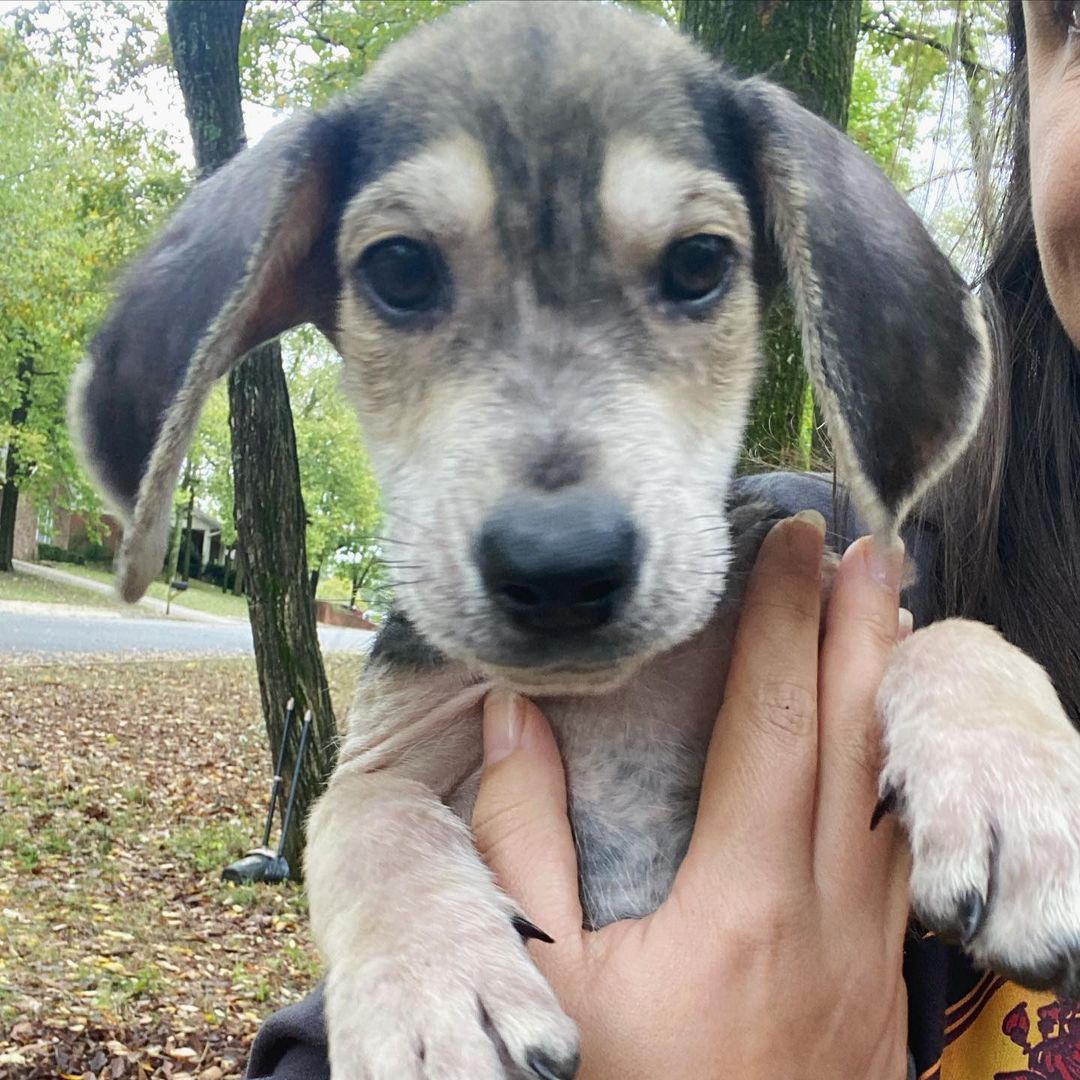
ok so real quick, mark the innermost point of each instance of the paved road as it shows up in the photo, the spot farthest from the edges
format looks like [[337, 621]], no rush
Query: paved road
[[28, 629]]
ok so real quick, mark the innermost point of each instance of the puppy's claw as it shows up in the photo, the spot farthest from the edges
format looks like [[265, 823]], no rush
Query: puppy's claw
[[973, 911], [885, 805], [530, 931], [974, 907], [547, 1069]]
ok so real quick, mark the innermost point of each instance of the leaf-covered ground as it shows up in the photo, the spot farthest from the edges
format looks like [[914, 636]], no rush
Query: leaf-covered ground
[[126, 788]]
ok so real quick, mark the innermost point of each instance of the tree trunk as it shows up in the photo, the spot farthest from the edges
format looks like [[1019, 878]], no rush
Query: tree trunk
[[238, 571], [9, 507], [807, 46], [269, 508], [270, 519], [9, 499], [185, 559]]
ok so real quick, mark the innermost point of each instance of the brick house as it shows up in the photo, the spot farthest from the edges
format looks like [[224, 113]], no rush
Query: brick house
[[51, 524]]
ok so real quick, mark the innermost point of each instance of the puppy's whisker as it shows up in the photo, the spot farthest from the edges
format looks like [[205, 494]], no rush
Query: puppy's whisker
[[396, 516]]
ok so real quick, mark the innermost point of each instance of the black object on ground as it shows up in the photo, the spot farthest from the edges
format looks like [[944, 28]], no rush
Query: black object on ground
[[263, 863]]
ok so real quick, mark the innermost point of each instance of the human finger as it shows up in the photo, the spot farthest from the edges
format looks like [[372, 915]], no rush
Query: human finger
[[758, 787], [520, 821], [862, 625]]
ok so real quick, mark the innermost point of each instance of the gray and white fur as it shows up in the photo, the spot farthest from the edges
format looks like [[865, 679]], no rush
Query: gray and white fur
[[550, 396]]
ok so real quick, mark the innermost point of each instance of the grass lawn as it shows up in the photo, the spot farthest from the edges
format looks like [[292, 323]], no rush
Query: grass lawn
[[199, 597], [125, 788], [16, 586]]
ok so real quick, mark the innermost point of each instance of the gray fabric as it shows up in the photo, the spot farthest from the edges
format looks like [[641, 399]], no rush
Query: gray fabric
[[292, 1043], [792, 492]]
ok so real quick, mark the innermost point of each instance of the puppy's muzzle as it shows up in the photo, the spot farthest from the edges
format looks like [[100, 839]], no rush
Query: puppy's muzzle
[[562, 562]]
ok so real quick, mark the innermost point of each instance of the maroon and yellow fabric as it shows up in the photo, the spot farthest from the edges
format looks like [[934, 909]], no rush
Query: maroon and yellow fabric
[[989, 1028], [1003, 1032]]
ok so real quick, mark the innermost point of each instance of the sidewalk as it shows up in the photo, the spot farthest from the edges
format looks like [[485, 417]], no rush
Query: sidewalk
[[176, 611]]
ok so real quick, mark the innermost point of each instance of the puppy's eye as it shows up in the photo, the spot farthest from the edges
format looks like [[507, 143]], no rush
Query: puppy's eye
[[403, 275], [695, 270]]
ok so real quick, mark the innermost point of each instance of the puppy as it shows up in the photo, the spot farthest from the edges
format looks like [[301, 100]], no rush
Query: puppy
[[541, 236]]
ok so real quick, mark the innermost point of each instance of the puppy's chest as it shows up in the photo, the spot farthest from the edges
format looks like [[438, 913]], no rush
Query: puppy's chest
[[634, 761], [634, 765]]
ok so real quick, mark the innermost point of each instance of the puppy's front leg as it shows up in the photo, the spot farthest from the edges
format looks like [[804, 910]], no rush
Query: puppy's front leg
[[983, 767], [427, 977]]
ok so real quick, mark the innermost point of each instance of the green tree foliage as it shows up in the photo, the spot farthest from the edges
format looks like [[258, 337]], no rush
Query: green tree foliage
[[927, 104], [340, 492], [79, 188], [301, 54]]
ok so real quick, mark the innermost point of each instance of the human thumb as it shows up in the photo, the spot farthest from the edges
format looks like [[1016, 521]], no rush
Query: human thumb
[[520, 822]]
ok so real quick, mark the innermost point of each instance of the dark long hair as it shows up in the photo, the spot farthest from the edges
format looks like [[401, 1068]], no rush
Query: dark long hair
[[1009, 513]]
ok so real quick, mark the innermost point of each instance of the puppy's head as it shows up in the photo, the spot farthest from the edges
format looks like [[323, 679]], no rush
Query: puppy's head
[[541, 235]]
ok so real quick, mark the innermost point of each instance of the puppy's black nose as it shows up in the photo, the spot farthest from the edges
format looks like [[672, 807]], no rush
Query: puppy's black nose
[[559, 562]]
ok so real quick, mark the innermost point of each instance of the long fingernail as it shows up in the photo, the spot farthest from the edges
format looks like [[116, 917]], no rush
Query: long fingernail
[[812, 517], [885, 561], [905, 626], [529, 931], [503, 713]]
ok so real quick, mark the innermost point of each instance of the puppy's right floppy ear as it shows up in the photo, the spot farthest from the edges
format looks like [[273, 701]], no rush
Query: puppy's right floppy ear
[[248, 255], [895, 342]]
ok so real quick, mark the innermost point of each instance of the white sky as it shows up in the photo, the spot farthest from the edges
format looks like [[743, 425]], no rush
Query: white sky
[[159, 104]]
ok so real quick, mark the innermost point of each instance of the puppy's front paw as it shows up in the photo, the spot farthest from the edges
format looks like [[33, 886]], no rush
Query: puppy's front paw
[[983, 768], [456, 998]]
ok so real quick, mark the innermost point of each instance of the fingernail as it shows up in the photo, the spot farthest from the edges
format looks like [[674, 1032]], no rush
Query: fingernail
[[812, 517], [503, 713], [884, 562], [906, 624]]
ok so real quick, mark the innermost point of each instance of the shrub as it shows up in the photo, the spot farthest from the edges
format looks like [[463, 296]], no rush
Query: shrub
[[52, 553]]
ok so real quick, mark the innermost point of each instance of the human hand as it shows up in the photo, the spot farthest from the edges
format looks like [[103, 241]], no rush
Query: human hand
[[778, 952]]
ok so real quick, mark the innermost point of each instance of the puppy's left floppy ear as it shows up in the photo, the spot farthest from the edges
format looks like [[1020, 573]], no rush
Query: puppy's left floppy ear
[[896, 343], [247, 256]]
